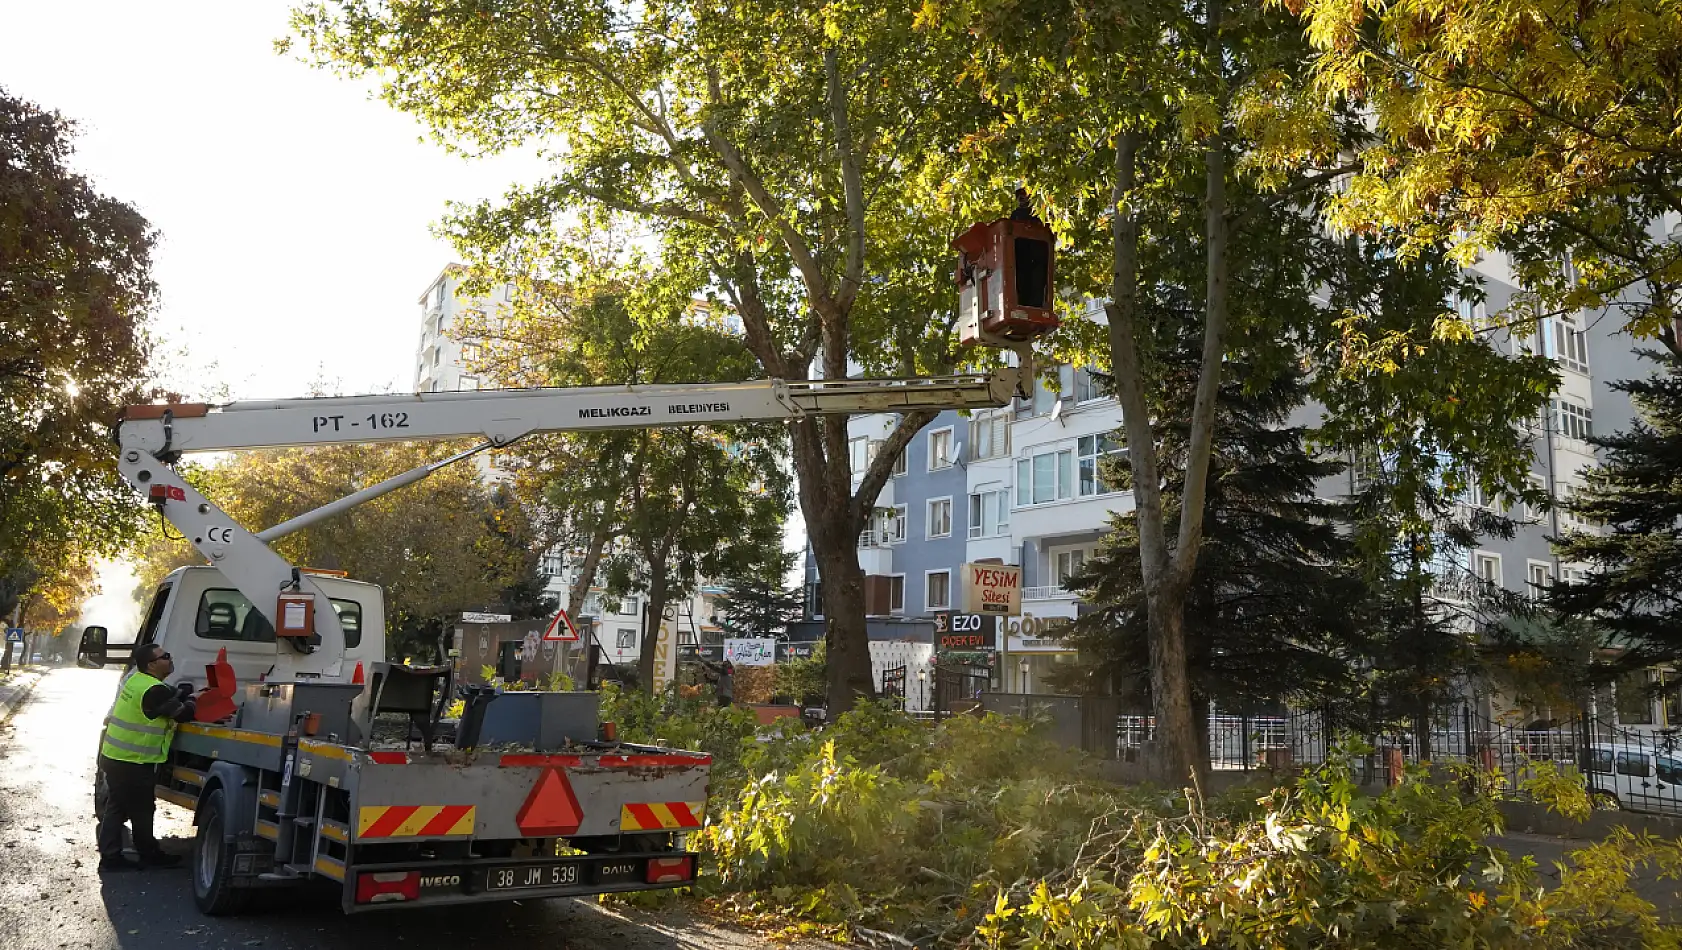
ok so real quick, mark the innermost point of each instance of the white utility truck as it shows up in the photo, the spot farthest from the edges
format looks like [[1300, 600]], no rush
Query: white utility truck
[[287, 774]]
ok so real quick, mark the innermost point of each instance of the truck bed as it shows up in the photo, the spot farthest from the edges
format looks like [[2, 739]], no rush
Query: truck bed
[[452, 826]]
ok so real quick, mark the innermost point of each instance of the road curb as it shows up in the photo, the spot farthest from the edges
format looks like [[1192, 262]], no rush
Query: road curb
[[13, 695]]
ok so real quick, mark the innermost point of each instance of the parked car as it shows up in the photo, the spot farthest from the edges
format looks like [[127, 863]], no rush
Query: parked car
[[1634, 778]]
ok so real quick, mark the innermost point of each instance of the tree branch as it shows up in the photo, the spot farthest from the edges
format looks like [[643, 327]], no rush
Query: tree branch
[[1126, 365], [804, 261], [852, 271], [1201, 439], [877, 472]]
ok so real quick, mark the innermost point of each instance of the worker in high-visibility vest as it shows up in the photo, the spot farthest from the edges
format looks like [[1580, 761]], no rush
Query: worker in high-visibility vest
[[136, 740]]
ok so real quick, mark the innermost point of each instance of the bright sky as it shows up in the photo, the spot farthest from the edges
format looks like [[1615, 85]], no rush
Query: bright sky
[[294, 210]]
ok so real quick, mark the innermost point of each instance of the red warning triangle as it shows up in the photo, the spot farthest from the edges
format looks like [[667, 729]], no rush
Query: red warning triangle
[[551, 810], [556, 630]]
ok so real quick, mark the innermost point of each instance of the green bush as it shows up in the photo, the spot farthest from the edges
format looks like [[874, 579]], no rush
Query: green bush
[[983, 832], [728, 733]]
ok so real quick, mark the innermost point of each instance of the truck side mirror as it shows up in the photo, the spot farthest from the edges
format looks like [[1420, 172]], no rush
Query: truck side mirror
[[91, 654]]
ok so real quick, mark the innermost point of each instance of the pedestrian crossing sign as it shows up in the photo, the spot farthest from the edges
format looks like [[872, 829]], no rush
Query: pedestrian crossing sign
[[14, 634]]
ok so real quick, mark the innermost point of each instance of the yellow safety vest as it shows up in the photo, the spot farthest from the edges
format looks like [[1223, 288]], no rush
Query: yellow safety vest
[[129, 735]]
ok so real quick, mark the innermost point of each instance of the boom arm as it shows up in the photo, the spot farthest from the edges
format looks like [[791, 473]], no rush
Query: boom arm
[[152, 436]]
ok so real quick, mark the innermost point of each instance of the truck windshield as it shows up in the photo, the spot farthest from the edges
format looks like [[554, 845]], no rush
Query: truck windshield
[[228, 615]]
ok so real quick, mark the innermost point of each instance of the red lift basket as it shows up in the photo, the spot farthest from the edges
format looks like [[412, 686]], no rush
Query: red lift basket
[[1005, 276]]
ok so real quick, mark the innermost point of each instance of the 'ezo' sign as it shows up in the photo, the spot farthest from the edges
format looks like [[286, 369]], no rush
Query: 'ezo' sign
[[991, 589]]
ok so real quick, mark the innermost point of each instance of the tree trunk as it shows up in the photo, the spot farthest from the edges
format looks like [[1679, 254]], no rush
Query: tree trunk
[[657, 595], [827, 504], [1177, 746], [579, 590]]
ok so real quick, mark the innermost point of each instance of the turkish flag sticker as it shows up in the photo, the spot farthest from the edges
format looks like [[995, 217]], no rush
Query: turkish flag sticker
[[551, 810]]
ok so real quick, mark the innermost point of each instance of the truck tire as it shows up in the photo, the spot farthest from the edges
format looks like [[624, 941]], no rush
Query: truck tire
[[213, 861]]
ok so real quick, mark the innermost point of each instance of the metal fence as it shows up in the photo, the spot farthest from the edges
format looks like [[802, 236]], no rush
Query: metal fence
[[1625, 768]]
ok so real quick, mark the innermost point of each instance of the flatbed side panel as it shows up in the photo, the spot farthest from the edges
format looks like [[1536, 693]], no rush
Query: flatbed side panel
[[579, 796], [325, 762], [220, 743]]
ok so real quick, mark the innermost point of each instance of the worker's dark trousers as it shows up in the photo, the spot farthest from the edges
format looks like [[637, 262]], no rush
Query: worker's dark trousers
[[128, 797]]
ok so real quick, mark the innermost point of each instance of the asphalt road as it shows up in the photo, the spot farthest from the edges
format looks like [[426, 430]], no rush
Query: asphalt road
[[51, 897]]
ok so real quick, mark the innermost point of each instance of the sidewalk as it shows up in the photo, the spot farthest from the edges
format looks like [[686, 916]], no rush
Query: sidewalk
[[16, 687]]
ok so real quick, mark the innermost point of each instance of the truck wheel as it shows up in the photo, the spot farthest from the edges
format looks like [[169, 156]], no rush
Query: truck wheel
[[213, 862], [1605, 801]]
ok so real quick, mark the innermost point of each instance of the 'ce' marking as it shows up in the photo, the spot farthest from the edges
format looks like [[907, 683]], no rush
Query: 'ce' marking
[[219, 535]]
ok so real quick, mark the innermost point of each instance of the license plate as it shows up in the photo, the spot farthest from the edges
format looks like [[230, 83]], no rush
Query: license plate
[[518, 876]]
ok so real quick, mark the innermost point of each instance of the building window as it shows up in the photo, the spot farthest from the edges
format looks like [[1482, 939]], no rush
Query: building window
[[886, 527], [814, 600], [900, 467], [1092, 450], [938, 587], [989, 436], [896, 593], [626, 607], [1487, 567], [551, 565], [1086, 386], [940, 448], [1364, 469], [989, 514], [1041, 402], [1066, 564], [626, 639], [437, 355], [1541, 578], [1573, 575], [1635, 700], [1572, 419], [1535, 511], [940, 519], [1046, 477], [468, 382], [1471, 311], [858, 455], [471, 352], [1566, 343], [893, 524], [1475, 496], [438, 295]]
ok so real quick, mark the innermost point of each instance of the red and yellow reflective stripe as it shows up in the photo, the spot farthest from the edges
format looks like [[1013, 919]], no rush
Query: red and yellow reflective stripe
[[661, 816], [414, 821]]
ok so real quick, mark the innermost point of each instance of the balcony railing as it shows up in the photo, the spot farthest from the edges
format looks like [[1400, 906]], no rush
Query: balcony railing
[[1053, 592]]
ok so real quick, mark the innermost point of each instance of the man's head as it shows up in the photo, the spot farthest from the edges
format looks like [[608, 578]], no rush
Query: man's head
[[150, 658]]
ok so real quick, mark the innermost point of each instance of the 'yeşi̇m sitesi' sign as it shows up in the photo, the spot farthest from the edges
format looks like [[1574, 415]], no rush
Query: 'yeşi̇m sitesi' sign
[[991, 589]]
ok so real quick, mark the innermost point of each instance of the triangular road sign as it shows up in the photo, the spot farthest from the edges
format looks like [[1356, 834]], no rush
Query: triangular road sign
[[561, 628], [551, 810]]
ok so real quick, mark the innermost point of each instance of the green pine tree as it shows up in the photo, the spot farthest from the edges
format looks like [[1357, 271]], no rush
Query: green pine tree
[[1274, 609], [757, 601], [1631, 590]]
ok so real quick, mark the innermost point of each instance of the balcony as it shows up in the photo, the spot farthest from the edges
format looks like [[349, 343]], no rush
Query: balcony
[[1053, 592]]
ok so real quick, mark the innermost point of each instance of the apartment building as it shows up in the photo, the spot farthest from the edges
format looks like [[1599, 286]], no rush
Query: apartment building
[[1019, 485], [445, 354]]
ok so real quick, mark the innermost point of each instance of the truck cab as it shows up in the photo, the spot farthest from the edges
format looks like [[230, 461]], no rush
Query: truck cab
[[196, 612]]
